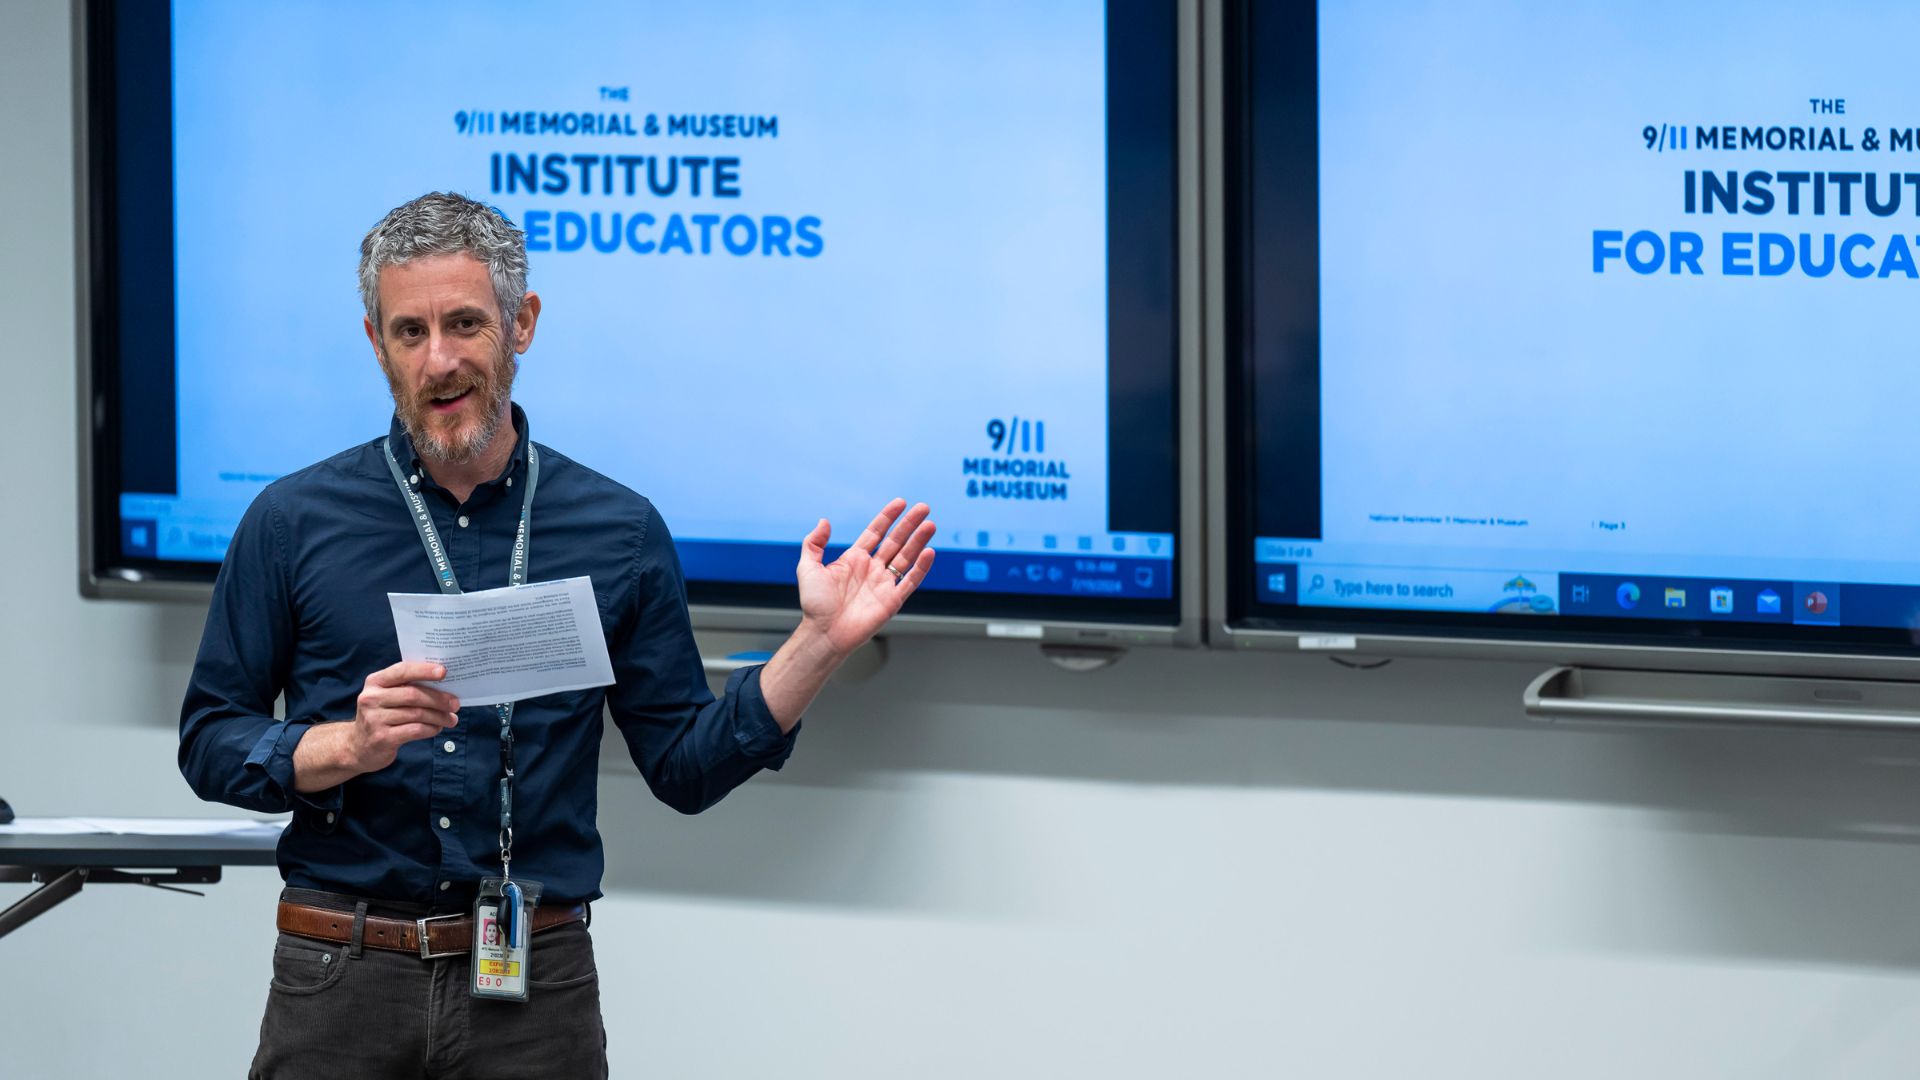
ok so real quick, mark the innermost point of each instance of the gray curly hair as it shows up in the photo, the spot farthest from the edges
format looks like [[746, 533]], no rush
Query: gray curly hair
[[442, 223]]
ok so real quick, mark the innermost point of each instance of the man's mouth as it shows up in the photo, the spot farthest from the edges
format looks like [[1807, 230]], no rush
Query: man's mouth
[[449, 402]]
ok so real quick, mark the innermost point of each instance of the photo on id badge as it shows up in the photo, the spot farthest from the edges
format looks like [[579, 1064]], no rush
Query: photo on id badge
[[503, 931]]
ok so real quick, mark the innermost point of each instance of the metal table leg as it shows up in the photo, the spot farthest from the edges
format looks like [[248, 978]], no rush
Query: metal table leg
[[60, 883]]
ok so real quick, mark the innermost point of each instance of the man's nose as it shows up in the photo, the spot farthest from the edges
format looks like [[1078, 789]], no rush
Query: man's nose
[[442, 357]]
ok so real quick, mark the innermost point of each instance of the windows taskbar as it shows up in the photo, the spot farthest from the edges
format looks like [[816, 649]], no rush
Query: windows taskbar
[[1623, 596]]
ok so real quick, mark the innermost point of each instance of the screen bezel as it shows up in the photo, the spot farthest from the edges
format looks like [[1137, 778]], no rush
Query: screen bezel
[[106, 572], [1238, 621]]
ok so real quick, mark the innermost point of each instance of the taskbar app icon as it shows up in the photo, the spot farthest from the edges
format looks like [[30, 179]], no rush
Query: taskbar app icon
[[1818, 603]]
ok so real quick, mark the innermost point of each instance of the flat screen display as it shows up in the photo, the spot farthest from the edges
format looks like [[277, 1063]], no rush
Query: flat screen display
[[1582, 321], [794, 259]]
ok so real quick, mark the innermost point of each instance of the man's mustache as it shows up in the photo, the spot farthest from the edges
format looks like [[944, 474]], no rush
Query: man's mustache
[[450, 388]]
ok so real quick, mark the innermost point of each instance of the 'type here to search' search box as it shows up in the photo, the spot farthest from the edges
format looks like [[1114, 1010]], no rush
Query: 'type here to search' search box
[[1427, 589]]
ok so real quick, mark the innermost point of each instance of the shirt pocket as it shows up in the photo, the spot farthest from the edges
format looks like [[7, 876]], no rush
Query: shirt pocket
[[304, 966]]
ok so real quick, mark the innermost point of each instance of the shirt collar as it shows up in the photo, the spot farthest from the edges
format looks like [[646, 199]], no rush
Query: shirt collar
[[403, 448]]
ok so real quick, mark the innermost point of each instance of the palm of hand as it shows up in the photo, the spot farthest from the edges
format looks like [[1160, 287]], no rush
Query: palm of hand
[[851, 598]]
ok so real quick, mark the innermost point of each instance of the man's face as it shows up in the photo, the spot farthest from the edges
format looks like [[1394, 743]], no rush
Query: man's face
[[448, 357]]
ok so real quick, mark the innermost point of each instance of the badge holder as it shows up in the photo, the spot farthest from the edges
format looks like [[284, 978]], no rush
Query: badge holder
[[503, 937], [503, 909]]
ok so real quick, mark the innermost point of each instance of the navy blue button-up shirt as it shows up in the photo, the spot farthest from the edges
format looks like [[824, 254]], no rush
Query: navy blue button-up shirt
[[300, 608]]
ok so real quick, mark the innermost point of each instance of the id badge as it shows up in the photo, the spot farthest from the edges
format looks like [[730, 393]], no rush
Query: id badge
[[503, 937]]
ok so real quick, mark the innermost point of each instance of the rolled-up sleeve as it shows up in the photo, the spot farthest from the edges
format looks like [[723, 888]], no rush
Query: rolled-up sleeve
[[232, 749], [691, 748]]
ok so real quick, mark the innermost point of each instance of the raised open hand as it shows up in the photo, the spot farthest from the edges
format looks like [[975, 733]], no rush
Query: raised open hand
[[851, 598]]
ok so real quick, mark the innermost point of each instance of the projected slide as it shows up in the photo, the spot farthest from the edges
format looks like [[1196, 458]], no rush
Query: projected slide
[[795, 259], [1614, 312]]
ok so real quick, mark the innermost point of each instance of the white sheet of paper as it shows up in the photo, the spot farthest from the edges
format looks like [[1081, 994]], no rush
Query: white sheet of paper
[[507, 644], [141, 827]]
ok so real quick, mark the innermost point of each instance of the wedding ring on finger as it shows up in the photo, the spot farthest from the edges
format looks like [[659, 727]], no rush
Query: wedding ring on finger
[[897, 574]]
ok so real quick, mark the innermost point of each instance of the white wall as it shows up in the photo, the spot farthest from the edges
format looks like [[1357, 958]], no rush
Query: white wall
[[977, 865]]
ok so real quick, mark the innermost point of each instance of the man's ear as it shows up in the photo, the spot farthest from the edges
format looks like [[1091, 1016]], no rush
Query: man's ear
[[524, 321], [373, 339]]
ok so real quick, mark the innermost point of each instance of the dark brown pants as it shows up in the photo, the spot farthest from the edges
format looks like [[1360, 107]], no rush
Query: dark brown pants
[[388, 1014]]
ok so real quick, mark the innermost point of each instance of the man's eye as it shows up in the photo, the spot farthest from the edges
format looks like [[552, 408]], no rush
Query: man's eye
[[467, 324]]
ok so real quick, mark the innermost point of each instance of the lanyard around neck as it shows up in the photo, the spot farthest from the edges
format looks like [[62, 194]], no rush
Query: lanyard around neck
[[450, 583], [430, 535]]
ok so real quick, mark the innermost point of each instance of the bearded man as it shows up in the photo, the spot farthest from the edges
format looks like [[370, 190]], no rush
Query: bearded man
[[394, 787]]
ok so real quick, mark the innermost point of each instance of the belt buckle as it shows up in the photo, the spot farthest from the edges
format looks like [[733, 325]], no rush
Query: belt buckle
[[420, 929]]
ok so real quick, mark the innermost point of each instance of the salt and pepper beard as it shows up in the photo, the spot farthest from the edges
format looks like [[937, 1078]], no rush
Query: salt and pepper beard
[[416, 409]]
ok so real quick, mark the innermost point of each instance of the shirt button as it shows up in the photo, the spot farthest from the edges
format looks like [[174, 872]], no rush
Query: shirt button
[[330, 816], [463, 521], [446, 823], [509, 481], [447, 746], [414, 479], [445, 885]]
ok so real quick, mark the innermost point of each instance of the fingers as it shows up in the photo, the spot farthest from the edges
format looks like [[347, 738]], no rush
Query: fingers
[[407, 671], [916, 542], [394, 710], [922, 563], [409, 697], [878, 527], [380, 716], [383, 731], [901, 535], [378, 733], [406, 733], [814, 546]]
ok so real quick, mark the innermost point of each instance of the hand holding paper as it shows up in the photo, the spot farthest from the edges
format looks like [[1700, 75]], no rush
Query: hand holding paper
[[506, 644]]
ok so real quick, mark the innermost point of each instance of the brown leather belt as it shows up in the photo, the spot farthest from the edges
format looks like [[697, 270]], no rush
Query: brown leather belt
[[430, 937]]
